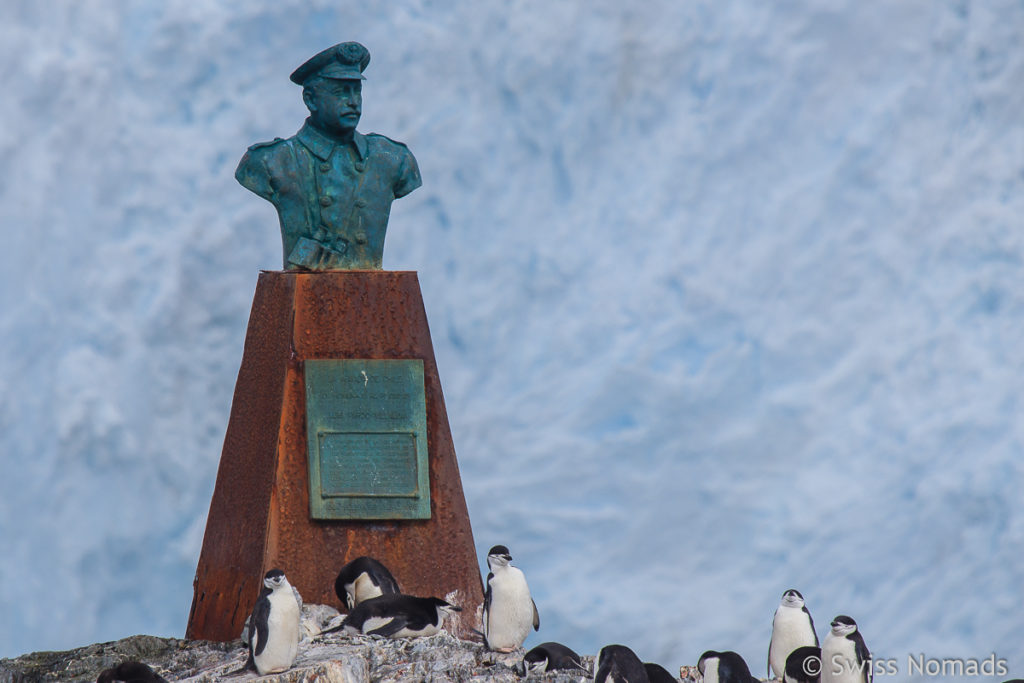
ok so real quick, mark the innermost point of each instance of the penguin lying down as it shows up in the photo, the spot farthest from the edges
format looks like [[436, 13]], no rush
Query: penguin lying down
[[396, 616], [130, 672], [549, 657]]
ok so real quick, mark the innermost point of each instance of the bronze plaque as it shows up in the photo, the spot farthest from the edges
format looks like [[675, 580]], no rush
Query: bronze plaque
[[366, 426]]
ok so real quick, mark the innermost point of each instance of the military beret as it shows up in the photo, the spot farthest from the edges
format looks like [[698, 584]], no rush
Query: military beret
[[343, 61]]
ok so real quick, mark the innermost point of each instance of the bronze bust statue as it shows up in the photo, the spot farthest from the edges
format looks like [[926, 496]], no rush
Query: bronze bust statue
[[332, 186]]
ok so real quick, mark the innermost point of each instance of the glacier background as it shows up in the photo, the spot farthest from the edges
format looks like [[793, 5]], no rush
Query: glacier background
[[726, 298]]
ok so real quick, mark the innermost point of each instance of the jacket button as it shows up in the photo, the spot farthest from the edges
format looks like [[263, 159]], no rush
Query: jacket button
[[360, 237], [360, 166], [325, 167], [360, 203], [325, 201]]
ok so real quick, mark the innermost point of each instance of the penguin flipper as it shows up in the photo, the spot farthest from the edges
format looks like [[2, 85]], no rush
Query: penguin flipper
[[388, 584], [813, 630], [333, 629], [536, 616], [389, 629], [488, 592], [487, 607], [863, 655], [260, 617]]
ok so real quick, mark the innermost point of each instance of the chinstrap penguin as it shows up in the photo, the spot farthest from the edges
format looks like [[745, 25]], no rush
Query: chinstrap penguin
[[274, 634], [549, 657], [656, 673], [397, 616], [364, 578], [247, 627], [130, 672], [509, 611], [803, 665], [844, 656], [792, 627], [618, 664], [724, 667]]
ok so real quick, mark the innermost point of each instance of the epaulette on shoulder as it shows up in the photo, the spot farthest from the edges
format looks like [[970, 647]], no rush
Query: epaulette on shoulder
[[378, 135], [261, 145]]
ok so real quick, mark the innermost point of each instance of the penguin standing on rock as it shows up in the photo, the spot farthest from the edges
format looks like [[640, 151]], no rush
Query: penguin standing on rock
[[509, 610], [792, 627], [274, 638], [618, 664], [364, 578], [397, 616], [844, 656], [724, 667]]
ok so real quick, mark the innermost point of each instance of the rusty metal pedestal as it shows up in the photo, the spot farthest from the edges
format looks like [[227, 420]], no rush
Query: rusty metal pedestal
[[260, 513]]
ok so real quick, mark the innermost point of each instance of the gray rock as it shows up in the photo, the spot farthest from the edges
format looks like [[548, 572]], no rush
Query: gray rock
[[169, 657], [334, 658]]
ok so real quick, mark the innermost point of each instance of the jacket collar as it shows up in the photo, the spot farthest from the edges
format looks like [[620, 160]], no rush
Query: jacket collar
[[321, 144]]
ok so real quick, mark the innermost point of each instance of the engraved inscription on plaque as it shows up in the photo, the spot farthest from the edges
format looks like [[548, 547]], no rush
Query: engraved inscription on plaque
[[366, 430], [361, 464]]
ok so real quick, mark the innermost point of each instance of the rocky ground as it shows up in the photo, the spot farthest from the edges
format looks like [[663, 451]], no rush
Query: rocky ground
[[329, 659], [333, 658]]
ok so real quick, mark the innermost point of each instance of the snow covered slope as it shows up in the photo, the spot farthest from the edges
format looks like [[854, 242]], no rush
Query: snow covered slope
[[727, 298]]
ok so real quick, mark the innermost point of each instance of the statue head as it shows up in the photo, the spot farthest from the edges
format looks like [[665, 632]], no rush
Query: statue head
[[332, 84]]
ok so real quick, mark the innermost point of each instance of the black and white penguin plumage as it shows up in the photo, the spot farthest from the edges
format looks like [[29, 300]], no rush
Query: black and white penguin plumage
[[656, 673], [724, 667], [618, 664], [803, 665], [274, 634], [509, 611], [397, 616], [792, 627], [549, 657], [844, 656], [130, 672], [364, 578]]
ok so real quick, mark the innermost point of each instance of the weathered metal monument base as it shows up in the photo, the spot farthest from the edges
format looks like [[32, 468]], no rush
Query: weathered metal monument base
[[319, 328]]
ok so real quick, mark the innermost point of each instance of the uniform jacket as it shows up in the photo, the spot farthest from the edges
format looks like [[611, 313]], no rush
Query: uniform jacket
[[338, 194]]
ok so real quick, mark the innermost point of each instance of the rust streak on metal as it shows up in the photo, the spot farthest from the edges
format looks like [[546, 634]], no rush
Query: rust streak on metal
[[259, 516]]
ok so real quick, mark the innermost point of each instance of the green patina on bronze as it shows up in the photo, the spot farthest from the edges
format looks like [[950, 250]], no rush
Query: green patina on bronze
[[366, 428], [332, 186]]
